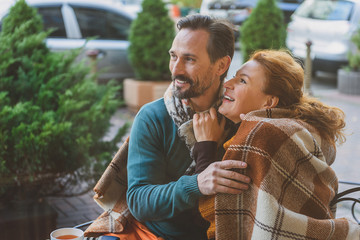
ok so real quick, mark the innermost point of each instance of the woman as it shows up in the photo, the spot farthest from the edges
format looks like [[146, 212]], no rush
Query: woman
[[288, 141]]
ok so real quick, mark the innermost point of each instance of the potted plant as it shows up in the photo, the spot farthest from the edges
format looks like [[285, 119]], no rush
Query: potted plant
[[151, 36], [264, 29], [349, 77], [53, 119]]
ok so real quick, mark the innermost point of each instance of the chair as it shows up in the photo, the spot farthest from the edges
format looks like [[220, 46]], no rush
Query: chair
[[83, 225], [345, 196]]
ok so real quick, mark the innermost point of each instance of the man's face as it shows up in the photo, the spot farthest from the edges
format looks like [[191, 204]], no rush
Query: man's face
[[190, 66]]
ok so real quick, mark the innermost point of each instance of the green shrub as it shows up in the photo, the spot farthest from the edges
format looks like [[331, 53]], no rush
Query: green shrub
[[53, 114], [264, 29], [151, 36], [354, 57]]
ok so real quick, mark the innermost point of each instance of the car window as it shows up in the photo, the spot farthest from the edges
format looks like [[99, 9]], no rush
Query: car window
[[326, 10], [102, 24], [52, 18]]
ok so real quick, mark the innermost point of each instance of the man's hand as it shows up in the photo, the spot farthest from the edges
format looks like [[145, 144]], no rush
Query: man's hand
[[207, 126], [219, 178]]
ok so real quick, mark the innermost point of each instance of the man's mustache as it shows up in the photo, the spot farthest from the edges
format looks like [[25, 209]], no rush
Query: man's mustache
[[182, 78]]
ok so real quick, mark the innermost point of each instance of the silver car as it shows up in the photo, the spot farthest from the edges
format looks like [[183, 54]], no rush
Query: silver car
[[77, 20], [237, 11], [329, 26]]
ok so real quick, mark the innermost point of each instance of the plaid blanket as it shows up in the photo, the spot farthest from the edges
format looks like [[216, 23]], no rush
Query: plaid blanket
[[292, 183], [110, 195]]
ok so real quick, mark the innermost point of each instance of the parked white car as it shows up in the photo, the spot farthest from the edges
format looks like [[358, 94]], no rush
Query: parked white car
[[237, 11], [329, 25], [77, 20]]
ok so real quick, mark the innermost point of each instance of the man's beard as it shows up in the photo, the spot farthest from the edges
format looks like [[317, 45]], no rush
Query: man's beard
[[195, 89]]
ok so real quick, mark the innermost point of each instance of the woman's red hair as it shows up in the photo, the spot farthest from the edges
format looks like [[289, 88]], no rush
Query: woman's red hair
[[285, 80]]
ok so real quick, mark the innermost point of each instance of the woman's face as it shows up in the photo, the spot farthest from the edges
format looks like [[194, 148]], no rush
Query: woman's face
[[243, 93]]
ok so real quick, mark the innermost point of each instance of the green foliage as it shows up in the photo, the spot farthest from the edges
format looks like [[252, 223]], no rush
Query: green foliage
[[354, 58], [151, 36], [264, 29], [18, 14], [53, 114]]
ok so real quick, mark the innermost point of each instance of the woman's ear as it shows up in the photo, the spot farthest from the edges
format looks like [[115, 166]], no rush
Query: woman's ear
[[223, 64], [271, 102]]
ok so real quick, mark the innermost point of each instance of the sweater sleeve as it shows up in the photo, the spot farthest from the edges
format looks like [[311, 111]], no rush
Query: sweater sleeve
[[157, 189], [204, 154]]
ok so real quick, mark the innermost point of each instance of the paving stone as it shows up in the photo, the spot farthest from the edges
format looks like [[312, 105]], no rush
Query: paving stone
[[74, 201]]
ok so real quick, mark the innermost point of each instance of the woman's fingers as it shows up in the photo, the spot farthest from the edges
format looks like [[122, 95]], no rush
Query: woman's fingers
[[196, 118], [213, 113]]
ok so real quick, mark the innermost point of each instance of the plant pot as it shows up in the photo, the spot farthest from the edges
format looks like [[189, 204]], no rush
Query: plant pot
[[348, 82], [137, 93], [27, 220]]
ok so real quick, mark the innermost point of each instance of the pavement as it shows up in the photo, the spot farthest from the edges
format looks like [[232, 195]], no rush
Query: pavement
[[79, 209]]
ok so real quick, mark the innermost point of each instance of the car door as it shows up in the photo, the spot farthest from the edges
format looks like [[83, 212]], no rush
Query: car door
[[109, 29]]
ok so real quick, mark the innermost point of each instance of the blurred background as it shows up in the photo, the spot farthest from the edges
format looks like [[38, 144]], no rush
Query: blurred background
[[73, 74]]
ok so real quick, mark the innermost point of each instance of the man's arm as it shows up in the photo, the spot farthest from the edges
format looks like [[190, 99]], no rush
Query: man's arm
[[156, 162]]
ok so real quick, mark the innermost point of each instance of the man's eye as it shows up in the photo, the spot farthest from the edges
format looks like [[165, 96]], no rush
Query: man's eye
[[190, 59], [242, 80]]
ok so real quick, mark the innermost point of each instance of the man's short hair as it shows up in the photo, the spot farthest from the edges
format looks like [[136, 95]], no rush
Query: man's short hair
[[221, 35]]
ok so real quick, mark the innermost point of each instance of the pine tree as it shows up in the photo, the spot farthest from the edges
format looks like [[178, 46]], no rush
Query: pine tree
[[151, 36], [264, 29], [53, 114]]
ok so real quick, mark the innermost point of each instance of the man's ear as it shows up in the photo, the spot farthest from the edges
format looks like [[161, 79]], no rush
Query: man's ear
[[271, 102], [223, 65]]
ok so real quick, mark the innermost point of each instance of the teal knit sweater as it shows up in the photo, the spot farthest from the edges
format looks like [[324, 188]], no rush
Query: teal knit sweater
[[159, 195]]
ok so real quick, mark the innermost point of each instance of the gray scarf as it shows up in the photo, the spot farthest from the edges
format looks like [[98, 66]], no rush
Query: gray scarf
[[182, 113]]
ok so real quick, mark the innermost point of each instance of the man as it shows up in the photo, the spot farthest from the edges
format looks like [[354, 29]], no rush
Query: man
[[162, 192]]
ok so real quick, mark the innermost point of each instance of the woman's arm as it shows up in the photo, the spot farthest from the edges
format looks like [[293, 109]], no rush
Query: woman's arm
[[208, 131]]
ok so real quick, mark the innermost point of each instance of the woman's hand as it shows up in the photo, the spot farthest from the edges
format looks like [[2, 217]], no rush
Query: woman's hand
[[207, 126]]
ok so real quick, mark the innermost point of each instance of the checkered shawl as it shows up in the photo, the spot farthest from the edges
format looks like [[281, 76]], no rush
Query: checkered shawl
[[292, 183], [110, 195]]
